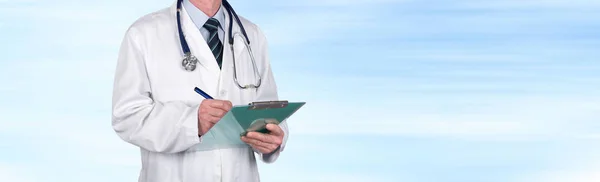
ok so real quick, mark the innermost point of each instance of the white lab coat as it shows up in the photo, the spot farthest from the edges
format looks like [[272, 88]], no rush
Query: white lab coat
[[155, 106]]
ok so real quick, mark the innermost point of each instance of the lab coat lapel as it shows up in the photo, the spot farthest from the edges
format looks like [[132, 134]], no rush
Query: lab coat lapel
[[238, 45], [211, 72], [198, 44], [227, 59], [228, 69]]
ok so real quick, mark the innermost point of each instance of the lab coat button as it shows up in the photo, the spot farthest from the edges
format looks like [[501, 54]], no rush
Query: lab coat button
[[223, 92]]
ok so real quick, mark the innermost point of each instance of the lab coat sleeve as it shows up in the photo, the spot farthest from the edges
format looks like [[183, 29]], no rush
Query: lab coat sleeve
[[268, 92], [138, 119]]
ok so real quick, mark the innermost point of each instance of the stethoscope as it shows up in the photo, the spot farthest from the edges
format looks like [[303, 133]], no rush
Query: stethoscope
[[189, 61]]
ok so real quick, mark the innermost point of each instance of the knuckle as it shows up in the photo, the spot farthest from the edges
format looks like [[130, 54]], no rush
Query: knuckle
[[204, 103], [204, 110]]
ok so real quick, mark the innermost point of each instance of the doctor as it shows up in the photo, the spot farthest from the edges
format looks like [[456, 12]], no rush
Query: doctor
[[163, 57]]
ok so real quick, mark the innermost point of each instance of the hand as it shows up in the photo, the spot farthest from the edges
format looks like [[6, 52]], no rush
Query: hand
[[210, 112], [265, 143]]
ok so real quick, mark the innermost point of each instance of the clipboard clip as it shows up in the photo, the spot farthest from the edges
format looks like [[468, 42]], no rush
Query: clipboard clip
[[268, 105]]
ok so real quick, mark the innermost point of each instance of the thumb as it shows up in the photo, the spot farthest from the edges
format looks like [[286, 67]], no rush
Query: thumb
[[275, 129]]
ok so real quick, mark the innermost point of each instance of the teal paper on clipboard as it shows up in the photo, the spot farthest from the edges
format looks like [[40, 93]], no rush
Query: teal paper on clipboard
[[245, 118], [255, 116]]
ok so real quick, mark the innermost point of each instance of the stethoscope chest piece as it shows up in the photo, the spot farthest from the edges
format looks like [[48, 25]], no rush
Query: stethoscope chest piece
[[189, 62]]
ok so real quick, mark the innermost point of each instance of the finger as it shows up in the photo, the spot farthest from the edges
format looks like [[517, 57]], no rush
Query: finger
[[216, 113], [228, 105], [215, 103], [214, 120], [258, 144], [260, 149], [221, 104], [257, 136], [266, 138], [254, 142], [207, 108], [207, 102], [275, 129], [209, 118], [250, 141], [266, 149], [263, 150]]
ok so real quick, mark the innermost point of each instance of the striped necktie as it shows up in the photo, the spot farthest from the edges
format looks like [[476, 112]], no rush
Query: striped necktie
[[215, 45]]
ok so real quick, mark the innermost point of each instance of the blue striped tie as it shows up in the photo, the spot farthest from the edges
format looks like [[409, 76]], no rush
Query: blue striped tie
[[215, 45]]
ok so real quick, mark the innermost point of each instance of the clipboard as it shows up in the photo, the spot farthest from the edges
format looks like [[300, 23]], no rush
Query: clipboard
[[242, 119], [256, 115]]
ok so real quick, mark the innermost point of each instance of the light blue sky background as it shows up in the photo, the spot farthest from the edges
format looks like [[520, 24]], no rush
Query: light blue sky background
[[434, 91]]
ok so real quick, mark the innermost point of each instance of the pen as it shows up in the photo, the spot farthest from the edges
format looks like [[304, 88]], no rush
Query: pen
[[202, 93]]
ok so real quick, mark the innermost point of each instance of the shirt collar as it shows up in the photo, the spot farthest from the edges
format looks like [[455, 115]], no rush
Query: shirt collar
[[199, 18]]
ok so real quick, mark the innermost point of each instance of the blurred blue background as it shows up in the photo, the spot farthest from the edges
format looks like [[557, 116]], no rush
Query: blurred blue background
[[397, 90]]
